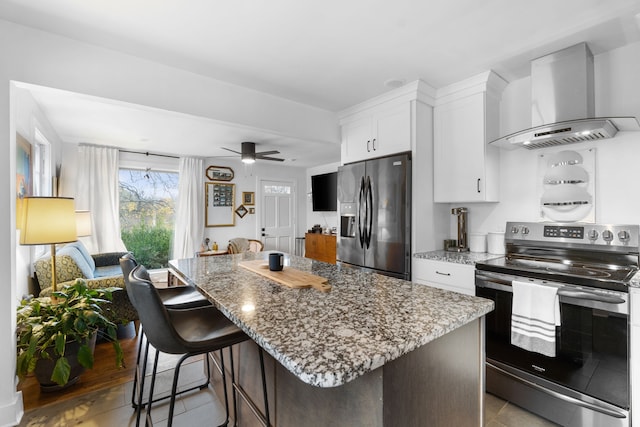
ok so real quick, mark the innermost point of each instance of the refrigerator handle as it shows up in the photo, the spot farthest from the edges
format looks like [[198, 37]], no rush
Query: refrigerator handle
[[369, 211], [361, 234]]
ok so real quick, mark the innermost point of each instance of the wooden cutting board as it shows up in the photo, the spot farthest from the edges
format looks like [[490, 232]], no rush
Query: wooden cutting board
[[289, 276]]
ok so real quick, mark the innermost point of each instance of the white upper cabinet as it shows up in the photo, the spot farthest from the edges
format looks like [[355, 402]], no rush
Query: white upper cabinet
[[382, 126], [383, 132], [466, 118]]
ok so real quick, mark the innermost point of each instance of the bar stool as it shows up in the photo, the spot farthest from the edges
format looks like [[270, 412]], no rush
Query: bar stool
[[188, 332], [178, 298]]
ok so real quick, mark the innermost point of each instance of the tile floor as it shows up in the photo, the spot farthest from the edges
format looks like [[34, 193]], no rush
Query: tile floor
[[112, 407]]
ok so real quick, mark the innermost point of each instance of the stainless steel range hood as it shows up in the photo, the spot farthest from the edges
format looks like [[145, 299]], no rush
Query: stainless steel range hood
[[563, 106]]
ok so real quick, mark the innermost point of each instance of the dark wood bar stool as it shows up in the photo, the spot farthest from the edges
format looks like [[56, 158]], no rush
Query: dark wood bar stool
[[189, 332]]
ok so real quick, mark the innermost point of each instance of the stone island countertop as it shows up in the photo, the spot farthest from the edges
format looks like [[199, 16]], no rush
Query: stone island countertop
[[329, 339]]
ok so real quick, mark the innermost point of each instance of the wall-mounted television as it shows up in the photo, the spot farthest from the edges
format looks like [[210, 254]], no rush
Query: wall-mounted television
[[324, 192]]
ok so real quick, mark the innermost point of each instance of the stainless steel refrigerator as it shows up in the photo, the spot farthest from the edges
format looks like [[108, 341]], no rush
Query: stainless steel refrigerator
[[374, 201]]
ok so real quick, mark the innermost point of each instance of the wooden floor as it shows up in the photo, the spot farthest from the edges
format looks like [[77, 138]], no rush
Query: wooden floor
[[103, 375]]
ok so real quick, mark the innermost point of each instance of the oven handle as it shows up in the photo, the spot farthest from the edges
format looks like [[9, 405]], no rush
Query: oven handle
[[588, 405], [591, 296], [493, 282]]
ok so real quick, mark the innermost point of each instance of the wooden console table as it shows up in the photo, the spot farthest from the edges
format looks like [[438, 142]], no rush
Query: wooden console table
[[321, 247]]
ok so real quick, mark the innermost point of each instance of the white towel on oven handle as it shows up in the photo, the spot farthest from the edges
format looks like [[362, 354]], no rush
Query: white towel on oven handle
[[535, 313]]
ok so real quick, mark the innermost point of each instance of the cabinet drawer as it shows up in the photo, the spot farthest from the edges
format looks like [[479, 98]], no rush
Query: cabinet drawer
[[454, 276]]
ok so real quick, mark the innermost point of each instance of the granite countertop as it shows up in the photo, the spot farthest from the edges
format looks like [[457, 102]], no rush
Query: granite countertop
[[469, 258], [329, 339], [635, 281]]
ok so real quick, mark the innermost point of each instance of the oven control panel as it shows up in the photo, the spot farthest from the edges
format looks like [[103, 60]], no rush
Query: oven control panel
[[568, 232], [623, 236]]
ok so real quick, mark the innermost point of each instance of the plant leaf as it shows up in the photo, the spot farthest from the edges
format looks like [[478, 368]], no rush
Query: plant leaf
[[61, 371], [85, 356], [61, 340]]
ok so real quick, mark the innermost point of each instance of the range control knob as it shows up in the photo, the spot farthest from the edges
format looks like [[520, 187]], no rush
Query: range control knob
[[525, 230], [593, 235], [514, 230], [607, 235], [624, 236]]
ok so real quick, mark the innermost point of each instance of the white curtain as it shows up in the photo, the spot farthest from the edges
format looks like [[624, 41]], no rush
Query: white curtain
[[189, 225], [97, 190]]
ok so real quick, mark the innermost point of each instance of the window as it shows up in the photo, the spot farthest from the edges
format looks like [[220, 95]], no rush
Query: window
[[147, 214], [41, 165]]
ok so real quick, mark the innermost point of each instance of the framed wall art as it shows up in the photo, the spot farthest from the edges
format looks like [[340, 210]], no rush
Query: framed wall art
[[248, 198], [24, 173], [219, 173], [241, 211], [24, 168], [219, 204]]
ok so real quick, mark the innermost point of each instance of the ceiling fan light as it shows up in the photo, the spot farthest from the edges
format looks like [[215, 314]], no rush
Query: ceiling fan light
[[248, 152]]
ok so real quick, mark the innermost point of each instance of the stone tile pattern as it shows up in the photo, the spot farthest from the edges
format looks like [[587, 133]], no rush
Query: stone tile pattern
[[469, 258], [328, 339]]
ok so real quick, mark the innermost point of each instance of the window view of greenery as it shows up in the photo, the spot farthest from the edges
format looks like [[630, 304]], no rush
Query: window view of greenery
[[147, 212]]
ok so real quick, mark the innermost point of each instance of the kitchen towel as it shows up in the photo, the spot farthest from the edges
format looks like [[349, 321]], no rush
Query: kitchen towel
[[535, 313]]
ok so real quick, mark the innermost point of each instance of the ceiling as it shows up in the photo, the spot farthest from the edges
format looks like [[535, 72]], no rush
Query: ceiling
[[330, 54]]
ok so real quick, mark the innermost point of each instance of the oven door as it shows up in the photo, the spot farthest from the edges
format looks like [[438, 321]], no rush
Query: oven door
[[591, 343]]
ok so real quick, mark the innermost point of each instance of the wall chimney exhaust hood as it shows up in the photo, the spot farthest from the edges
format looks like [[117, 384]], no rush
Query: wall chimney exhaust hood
[[563, 106]]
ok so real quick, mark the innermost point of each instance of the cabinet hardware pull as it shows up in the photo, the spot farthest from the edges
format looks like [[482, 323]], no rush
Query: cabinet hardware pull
[[443, 274], [368, 150], [374, 144], [478, 185]]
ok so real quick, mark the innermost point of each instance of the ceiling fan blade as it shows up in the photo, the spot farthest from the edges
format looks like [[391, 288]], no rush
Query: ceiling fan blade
[[267, 153], [269, 158], [233, 151]]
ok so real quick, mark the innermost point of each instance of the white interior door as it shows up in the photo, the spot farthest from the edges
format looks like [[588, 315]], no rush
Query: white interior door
[[278, 215]]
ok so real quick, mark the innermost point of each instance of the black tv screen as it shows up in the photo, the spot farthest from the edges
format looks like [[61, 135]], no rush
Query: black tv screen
[[324, 192]]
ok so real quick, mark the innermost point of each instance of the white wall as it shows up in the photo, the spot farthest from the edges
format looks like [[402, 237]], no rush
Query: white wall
[[45, 59], [28, 117], [325, 219], [617, 93], [246, 178]]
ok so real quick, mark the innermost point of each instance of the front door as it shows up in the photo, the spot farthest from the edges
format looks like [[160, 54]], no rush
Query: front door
[[277, 217]]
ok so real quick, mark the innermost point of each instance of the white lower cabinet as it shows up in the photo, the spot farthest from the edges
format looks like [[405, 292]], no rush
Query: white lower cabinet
[[450, 276], [634, 330]]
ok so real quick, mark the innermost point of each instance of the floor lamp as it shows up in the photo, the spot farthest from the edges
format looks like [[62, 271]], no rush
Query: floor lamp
[[48, 220], [83, 223]]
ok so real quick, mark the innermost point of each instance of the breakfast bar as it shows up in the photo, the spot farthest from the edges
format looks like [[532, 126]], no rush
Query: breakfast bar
[[372, 350]]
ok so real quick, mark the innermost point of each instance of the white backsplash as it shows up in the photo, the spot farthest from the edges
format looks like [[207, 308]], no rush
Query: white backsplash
[[617, 183]]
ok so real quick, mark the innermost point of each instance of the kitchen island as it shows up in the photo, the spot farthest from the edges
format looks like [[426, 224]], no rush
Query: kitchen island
[[374, 351]]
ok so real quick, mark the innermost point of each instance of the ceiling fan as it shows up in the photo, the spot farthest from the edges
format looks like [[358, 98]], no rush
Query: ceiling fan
[[249, 155]]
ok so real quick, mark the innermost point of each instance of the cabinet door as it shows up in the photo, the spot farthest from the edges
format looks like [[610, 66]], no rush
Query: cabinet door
[[459, 150], [392, 131], [356, 140]]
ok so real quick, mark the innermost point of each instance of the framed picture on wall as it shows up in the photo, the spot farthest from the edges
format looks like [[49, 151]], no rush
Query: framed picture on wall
[[24, 173], [24, 168], [248, 198]]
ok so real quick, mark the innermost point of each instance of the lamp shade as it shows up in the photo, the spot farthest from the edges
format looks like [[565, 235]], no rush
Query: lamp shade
[[48, 220], [83, 223]]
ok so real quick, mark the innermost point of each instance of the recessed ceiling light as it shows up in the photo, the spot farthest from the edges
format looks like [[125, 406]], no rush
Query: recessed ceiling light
[[394, 83]]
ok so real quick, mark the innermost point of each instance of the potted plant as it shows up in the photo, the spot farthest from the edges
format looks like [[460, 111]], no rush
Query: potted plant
[[56, 334]]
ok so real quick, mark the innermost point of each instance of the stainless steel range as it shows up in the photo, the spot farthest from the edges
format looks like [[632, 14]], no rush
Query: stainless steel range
[[585, 380]]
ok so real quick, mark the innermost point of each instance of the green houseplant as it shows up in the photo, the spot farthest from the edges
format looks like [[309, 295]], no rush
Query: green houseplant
[[53, 333]]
